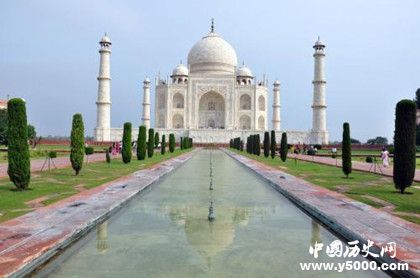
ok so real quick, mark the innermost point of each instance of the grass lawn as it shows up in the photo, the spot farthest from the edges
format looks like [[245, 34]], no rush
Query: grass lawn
[[58, 184], [359, 186]]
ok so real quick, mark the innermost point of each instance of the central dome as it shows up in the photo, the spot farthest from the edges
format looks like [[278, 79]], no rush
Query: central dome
[[212, 54]]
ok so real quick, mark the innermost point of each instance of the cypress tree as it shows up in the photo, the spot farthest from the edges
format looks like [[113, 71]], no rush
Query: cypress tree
[[141, 143], [107, 156], [273, 144], [157, 139], [184, 143], [404, 144], [241, 146], [77, 143], [163, 145], [19, 163], [266, 144], [257, 145], [180, 143], [346, 150], [283, 147], [126, 143], [151, 143]]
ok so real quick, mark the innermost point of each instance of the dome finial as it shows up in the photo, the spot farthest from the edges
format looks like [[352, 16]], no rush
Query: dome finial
[[180, 62], [212, 26]]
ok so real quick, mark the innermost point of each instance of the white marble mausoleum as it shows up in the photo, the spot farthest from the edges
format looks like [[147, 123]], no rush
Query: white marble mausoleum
[[211, 99]]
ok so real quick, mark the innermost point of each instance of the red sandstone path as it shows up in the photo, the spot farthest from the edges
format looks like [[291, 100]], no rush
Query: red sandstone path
[[357, 165], [60, 162]]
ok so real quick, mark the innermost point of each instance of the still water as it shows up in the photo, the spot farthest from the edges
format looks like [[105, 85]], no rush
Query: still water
[[165, 232]]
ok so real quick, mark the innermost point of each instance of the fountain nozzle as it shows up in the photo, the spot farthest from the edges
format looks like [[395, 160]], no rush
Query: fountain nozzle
[[211, 216]]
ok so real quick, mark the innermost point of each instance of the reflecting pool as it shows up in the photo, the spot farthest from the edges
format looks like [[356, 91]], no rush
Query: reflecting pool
[[165, 231]]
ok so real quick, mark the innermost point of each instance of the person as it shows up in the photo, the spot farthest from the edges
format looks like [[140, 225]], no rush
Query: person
[[385, 157]]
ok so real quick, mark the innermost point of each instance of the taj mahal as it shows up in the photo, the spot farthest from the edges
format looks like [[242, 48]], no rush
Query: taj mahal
[[211, 99]]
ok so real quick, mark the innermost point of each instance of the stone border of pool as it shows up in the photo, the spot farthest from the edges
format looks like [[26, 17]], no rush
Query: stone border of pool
[[348, 218], [30, 240]]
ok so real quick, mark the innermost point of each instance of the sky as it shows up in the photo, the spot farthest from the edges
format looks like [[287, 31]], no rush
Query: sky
[[49, 55]]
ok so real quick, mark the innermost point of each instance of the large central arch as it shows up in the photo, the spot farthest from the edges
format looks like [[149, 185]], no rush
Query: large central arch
[[211, 111]]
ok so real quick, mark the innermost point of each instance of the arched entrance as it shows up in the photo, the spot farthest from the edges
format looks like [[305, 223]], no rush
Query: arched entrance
[[211, 111]]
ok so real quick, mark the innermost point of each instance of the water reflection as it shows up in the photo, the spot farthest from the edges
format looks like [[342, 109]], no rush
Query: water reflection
[[102, 237]]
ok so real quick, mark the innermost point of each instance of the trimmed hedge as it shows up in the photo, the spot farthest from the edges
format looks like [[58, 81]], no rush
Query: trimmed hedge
[[89, 150], [404, 144], [273, 144], [77, 143], [19, 166], [141, 143], [171, 142], [266, 144], [157, 139], [151, 143], [126, 143], [284, 148], [163, 145]]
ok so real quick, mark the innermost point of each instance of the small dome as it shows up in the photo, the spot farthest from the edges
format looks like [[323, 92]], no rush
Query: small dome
[[180, 70], [319, 43], [244, 71], [212, 54], [146, 80], [105, 39], [276, 83]]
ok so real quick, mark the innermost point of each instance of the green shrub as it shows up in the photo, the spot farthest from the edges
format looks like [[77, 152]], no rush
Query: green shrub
[[318, 146], [107, 156], [52, 154], [369, 159], [311, 152], [126, 143], [157, 138], [163, 145], [266, 144], [19, 163], [89, 150], [141, 143], [77, 143], [171, 142], [283, 147], [405, 144], [151, 143], [391, 149], [346, 150], [273, 144]]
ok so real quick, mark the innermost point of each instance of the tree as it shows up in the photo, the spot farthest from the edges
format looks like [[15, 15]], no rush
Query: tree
[[77, 143], [354, 141], [266, 144], [141, 143], [273, 144], [151, 143], [404, 144], [19, 164], [171, 142], [346, 150], [157, 139], [377, 141], [107, 156], [31, 132], [126, 143], [283, 147], [418, 98], [163, 145]]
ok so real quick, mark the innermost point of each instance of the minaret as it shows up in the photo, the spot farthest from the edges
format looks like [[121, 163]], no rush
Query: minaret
[[276, 106], [319, 106], [103, 103], [146, 103]]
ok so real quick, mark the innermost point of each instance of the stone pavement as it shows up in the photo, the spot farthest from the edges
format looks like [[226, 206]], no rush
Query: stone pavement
[[351, 219], [32, 239], [60, 162], [357, 165]]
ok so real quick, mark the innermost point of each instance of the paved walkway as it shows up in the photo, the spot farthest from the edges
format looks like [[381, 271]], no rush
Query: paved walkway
[[351, 219], [60, 162], [357, 165], [29, 240]]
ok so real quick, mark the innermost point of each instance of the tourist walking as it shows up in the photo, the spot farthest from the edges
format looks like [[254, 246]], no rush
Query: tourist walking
[[385, 157]]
